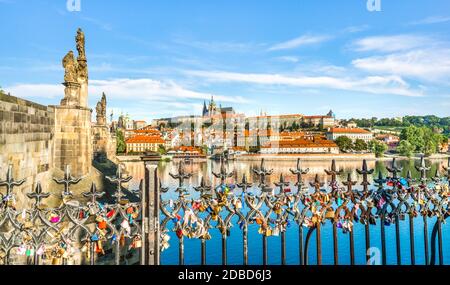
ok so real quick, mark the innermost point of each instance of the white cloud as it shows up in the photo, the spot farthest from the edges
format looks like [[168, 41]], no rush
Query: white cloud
[[137, 89], [432, 20], [300, 41], [392, 43], [151, 90], [424, 64], [393, 85], [48, 91], [356, 29], [218, 46], [292, 59], [141, 98]]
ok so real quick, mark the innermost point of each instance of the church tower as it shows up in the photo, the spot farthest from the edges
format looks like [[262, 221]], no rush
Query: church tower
[[205, 110]]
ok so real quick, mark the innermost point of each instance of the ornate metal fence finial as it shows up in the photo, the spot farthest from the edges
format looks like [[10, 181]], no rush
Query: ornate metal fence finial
[[299, 171], [181, 176], [422, 168], [437, 176], [67, 181], [380, 180], [316, 184], [10, 183], [350, 183], [202, 188], [118, 180], [244, 185], [281, 184], [223, 174], [333, 172], [364, 172], [394, 169], [262, 172], [38, 195], [93, 194]]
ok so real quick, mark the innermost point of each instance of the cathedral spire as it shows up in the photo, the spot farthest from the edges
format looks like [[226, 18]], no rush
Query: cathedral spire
[[205, 109]]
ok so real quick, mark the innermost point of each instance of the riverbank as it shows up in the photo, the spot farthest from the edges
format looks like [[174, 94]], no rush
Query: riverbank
[[328, 157], [306, 157], [303, 157]]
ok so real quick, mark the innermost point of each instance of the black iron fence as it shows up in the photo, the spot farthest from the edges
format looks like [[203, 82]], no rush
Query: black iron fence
[[132, 227], [91, 230], [307, 208]]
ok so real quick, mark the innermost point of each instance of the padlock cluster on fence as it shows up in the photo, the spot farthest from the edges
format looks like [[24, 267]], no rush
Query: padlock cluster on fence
[[276, 208], [74, 232]]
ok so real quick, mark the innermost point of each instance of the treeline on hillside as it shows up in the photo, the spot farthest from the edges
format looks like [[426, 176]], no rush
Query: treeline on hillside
[[436, 123]]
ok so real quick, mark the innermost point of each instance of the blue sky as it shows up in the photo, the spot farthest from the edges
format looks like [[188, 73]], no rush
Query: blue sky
[[163, 58]]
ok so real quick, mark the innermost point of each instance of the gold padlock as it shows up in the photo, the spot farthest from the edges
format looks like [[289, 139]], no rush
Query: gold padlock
[[329, 214], [56, 261], [28, 225]]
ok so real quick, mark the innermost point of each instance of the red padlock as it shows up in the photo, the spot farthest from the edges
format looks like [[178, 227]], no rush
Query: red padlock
[[179, 233], [110, 214]]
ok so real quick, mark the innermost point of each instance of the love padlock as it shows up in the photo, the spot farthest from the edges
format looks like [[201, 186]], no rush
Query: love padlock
[[137, 242]]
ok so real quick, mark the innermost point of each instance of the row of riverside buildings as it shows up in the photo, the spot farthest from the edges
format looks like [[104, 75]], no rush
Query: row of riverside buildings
[[282, 134]]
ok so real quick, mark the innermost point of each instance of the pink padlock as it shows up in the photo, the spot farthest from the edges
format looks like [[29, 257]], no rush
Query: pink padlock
[[55, 219]]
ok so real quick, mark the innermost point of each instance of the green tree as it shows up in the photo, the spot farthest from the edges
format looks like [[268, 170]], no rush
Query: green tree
[[162, 149], [377, 147], [344, 143], [360, 145], [121, 146], [415, 136], [424, 139], [405, 148]]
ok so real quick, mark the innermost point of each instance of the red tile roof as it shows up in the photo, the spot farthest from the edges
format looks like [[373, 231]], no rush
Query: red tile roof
[[145, 139], [302, 143], [317, 117], [349, 131]]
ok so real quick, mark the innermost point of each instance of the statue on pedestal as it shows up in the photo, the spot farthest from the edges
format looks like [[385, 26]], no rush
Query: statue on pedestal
[[82, 62], [80, 40], [70, 67], [82, 69], [101, 111], [71, 92]]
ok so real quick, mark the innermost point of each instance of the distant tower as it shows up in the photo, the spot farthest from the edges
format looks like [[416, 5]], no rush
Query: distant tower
[[331, 114], [205, 110], [212, 107]]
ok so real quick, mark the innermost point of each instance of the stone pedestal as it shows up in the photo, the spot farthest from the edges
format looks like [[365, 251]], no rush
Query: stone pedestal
[[73, 139], [72, 92], [104, 144]]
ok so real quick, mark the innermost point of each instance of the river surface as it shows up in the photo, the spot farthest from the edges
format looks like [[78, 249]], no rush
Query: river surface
[[234, 250]]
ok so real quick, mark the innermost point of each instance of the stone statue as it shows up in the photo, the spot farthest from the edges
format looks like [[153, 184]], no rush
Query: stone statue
[[70, 67], [103, 101], [76, 75], [80, 40], [98, 110], [101, 111], [82, 69]]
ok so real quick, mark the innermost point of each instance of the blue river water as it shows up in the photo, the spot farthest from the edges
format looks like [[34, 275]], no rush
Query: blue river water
[[235, 240]]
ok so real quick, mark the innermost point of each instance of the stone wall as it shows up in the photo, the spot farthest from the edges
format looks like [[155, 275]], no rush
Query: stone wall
[[26, 142], [103, 142], [73, 139]]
